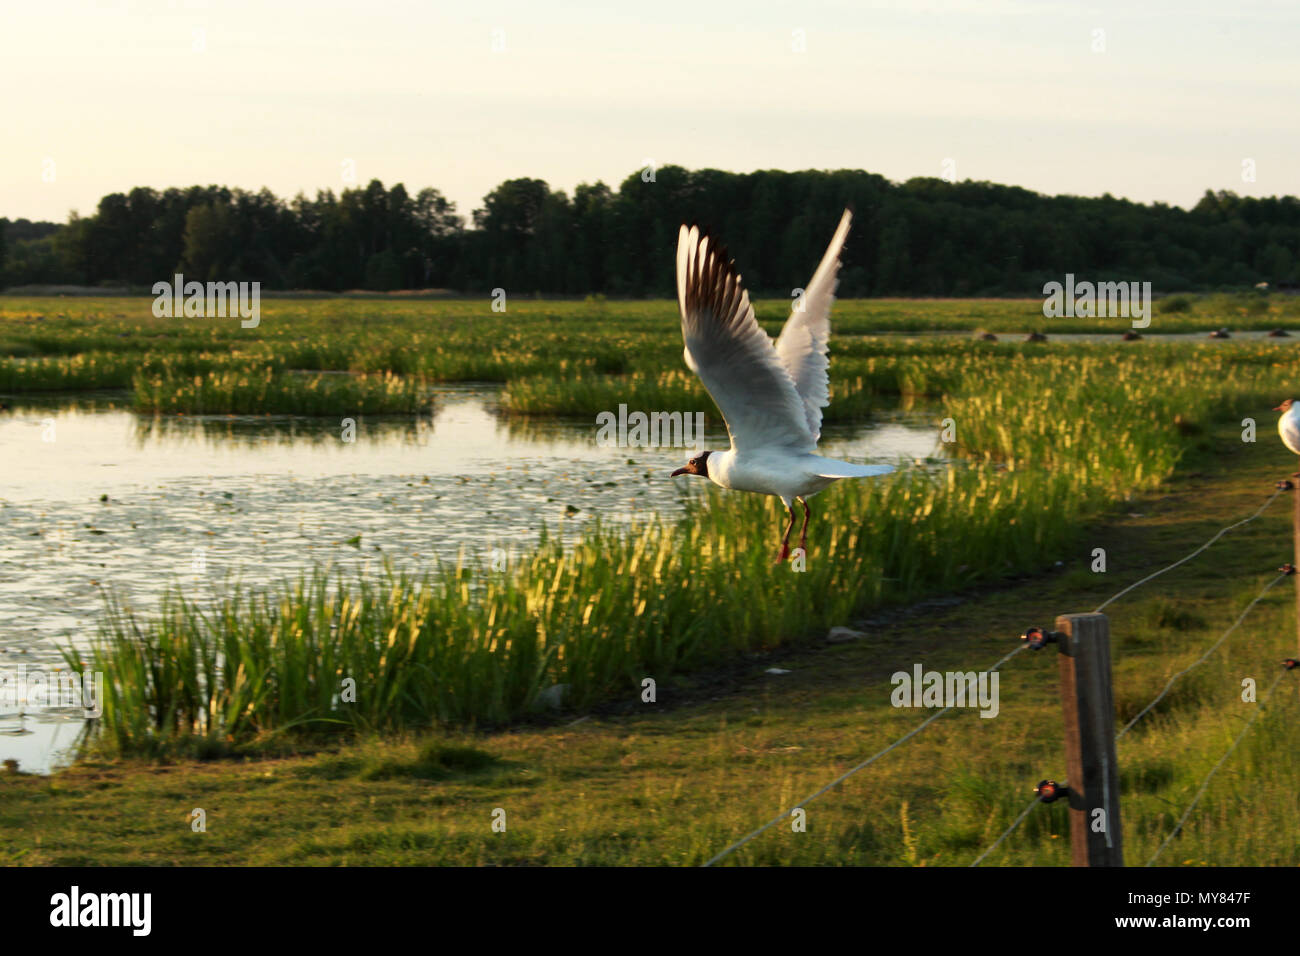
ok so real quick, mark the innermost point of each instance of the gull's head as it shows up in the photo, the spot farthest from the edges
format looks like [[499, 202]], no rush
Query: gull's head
[[698, 465], [1285, 406]]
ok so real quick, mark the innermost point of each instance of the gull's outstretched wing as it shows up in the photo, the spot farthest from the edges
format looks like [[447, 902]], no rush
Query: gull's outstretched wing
[[804, 341], [730, 352]]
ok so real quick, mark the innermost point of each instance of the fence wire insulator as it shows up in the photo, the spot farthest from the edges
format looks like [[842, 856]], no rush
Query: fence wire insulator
[[1286, 484], [1050, 790], [1039, 637], [1287, 569], [1291, 663]]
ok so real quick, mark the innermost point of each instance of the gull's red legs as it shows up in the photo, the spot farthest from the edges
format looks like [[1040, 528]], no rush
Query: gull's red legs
[[803, 535], [785, 539]]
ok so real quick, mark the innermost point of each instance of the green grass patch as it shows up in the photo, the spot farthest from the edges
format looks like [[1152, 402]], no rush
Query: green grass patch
[[264, 391]]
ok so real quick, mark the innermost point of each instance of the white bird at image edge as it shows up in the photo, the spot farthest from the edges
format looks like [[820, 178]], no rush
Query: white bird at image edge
[[771, 396], [1288, 426]]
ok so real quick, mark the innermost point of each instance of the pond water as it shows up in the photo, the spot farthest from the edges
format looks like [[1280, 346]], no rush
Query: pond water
[[94, 497]]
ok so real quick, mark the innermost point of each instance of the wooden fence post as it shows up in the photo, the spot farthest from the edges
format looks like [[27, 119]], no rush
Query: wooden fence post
[[1295, 494], [1092, 773]]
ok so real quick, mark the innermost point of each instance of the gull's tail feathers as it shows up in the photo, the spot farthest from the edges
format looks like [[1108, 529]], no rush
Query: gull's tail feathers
[[830, 468]]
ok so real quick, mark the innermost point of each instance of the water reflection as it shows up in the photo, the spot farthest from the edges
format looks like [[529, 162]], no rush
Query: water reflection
[[39, 743], [262, 432]]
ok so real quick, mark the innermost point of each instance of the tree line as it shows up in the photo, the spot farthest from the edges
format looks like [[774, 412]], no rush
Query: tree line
[[924, 236]]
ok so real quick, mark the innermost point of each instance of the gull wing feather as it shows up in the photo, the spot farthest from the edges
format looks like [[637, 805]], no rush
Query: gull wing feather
[[730, 352], [805, 339]]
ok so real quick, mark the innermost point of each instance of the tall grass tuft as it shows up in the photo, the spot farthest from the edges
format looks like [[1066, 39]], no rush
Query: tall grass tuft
[[266, 391]]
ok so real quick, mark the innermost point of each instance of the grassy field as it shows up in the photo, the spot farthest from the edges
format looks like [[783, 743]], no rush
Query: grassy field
[[216, 366], [726, 750], [1055, 443]]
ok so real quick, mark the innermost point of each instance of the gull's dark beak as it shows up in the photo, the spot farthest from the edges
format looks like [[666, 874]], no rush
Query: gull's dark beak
[[1277, 408], [680, 471]]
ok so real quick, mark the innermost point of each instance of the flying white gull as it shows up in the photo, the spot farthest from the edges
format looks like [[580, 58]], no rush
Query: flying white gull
[[1288, 426], [770, 396]]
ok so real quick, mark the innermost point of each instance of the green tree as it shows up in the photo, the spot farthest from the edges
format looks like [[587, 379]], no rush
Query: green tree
[[210, 243], [923, 236], [383, 272]]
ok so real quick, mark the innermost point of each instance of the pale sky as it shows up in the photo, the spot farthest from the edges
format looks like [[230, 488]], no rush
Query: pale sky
[[104, 95]]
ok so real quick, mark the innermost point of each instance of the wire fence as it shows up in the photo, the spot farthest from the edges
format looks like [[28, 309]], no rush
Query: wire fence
[[1215, 769], [1038, 798], [1181, 561], [1202, 659], [862, 766], [1008, 831]]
